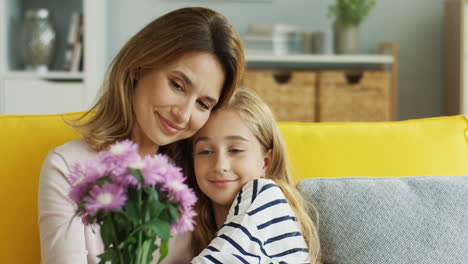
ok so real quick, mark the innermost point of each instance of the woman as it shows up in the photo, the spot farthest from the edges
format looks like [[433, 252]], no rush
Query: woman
[[161, 88]]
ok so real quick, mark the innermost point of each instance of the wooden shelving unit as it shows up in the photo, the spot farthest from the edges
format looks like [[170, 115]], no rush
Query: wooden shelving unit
[[386, 59]]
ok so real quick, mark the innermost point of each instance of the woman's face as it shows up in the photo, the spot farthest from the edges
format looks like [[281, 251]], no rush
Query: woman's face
[[226, 156], [174, 101]]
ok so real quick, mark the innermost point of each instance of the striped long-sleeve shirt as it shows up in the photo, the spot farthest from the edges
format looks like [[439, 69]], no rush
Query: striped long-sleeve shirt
[[260, 228]]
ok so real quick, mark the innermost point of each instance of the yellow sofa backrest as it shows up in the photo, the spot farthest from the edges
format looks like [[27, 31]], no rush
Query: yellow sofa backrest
[[435, 146], [431, 146]]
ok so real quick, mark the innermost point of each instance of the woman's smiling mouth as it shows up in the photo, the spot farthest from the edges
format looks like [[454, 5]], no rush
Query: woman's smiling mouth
[[168, 126]]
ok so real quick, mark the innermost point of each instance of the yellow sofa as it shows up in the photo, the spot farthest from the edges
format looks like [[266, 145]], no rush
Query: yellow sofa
[[435, 146]]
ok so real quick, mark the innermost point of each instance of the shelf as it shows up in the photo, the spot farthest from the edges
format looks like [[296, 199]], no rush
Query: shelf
[[51, 75], [320, 59]]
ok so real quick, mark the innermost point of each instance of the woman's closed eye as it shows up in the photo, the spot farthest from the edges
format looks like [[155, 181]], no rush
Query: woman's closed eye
[[176, 86], [203, 105]]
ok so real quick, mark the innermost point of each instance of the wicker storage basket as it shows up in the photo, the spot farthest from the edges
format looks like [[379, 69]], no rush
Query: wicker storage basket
[[353, 96], [290, 95]]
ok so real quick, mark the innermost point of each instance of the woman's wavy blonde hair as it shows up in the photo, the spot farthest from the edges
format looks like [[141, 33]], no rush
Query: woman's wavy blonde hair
[[258, 117], [162, 41]]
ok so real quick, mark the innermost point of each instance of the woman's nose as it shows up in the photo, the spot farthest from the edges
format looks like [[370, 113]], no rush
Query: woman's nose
[[182, 112]]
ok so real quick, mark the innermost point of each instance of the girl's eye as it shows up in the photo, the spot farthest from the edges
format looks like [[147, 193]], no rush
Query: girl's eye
[[236, 150], [203, 105], [204, 152], [176, 85]]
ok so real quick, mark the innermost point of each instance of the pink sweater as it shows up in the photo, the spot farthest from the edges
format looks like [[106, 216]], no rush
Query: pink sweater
[[81, 244]]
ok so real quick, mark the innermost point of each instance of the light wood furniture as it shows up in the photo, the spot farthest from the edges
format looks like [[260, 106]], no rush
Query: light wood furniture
[[386, 60], [455, 68]]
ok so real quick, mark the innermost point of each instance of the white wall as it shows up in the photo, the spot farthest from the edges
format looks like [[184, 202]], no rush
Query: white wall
[[416, 25]]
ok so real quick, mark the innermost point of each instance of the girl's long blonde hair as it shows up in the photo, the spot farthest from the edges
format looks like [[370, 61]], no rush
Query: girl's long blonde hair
[[257, 115], [162, 41]]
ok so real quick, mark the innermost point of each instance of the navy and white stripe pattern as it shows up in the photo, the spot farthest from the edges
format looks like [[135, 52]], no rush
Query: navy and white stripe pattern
[[260, 228]]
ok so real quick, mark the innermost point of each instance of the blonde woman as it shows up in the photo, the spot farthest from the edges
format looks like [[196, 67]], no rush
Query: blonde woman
[[161, 88], [249, 209]]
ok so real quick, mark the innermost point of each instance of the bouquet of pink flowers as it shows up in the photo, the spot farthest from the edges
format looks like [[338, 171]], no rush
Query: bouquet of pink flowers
[[137, 202]]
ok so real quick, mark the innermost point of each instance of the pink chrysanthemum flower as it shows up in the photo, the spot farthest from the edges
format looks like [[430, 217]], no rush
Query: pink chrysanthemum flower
[[173, 181], [82, 178], [185, 223], [119, 156], [154, 169], [109, 196]]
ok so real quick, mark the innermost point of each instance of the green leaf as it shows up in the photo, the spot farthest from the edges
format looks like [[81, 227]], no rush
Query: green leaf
[[153, 195], [161, 228], [102, 180], [130, 239], [106, 233], [173, 212], [131, 210], [163, 250], [137, 174], [155, 209], [165, 213], [108, 255], [351, 12]]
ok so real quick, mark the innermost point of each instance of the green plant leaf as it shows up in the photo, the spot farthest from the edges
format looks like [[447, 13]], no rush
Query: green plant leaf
[[106, 233], [107, 255], [164, 249], [351, 12], [137, 174], [153, 194], [161, 228], [173, 212], [102, 180], [155, 209], [132, 211]]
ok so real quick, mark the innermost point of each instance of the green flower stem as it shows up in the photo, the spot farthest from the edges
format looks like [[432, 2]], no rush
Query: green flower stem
[[139, 259], [116, 242]]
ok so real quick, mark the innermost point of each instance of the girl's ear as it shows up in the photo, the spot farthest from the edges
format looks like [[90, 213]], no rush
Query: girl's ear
[[267, 163], [138, 74]]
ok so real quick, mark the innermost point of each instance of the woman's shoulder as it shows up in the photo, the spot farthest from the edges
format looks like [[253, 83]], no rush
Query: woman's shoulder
[[62, 156], [76, 149]]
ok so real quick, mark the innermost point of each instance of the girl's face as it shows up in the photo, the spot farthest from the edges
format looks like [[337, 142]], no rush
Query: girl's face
[[174, 101], [226, 156]]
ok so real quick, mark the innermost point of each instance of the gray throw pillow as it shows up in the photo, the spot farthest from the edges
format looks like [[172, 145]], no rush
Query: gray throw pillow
[[421, 219]]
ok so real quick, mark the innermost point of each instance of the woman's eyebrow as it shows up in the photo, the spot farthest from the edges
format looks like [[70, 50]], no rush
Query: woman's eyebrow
[[184, 77]]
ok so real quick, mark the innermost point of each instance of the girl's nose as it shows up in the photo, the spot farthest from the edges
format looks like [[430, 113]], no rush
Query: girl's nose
[[221, 163]]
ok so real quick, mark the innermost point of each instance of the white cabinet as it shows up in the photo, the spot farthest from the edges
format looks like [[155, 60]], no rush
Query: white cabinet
[[455, 90], [56, 91], [42, 97]]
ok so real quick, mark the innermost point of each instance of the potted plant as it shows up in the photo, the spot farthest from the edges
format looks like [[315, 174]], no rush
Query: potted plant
[[349, 14]]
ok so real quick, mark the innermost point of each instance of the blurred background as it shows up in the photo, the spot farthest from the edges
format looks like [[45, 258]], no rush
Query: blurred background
[[416, 28]]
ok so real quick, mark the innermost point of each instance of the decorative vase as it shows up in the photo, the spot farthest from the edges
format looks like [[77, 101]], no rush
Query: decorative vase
[[346, 38], [37, 40]]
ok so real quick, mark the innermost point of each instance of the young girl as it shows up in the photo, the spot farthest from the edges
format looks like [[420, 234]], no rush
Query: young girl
[[249, 209]]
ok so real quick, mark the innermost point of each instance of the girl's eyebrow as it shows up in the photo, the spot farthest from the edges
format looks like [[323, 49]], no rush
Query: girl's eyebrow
[[201, 139], [197, 140], [236, 138]]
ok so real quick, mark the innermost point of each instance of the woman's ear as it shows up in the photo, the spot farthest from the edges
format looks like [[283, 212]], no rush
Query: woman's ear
[[267, 163]]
